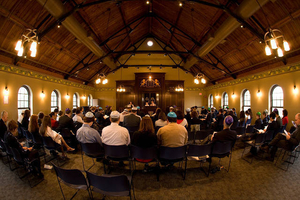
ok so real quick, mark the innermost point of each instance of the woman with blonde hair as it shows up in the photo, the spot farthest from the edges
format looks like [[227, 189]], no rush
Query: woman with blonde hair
[[46, 131]]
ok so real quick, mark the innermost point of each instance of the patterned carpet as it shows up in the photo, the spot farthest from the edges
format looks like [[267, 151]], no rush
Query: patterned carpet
[[259, 180]]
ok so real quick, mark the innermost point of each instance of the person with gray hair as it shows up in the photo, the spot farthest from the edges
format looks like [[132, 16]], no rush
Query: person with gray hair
[[115, 134], [286, 140], [3, 120]]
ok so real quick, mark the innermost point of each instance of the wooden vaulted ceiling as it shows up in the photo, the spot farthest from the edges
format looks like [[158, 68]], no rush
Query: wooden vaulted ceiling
[[120, 27]]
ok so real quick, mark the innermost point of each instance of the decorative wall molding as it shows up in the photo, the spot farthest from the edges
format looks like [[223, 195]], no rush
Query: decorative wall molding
[[193, 89], [104, 89], [266, 74], [24, 72]]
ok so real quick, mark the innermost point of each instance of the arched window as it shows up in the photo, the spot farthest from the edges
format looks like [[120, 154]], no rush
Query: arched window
[[75, 100], [225, 100], [54, 100], [90, 100], [210, 101], [24, 98], [277, 99], [246, 100]]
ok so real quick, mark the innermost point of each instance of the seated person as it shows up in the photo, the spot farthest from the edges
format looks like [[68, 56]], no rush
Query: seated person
[[3, 120], [33, 128], [272, 125], [54, 123], [27, 152], [77, 116], [180, 119], [225, 135], [46, 131], [86, 134], [286, 141], [195, 122], [266, 118], [162, 120], [25, 120], [152, 103], [258, 121], [218, 122]]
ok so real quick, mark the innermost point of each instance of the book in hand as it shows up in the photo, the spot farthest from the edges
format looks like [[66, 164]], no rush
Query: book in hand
[[259, 130], [285, 133], [294, 124]]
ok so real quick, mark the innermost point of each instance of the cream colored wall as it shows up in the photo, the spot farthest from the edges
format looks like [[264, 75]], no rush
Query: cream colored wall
[[14, 82], [286, 81], [108, 93]]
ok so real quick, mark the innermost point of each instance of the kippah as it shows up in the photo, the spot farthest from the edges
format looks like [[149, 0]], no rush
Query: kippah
[[188, 110], [258, 113], [67, 109], [172, 115], [138, 107], [202, 106], [134, 108], [100, 108], [114, 114], [208, 109], [89, 115], [228, 120]]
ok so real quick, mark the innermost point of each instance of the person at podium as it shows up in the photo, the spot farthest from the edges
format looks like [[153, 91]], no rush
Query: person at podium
[[147, 103], [130, 105], [152, 103]]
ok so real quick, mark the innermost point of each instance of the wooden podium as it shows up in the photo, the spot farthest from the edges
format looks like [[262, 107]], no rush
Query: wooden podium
[[149, 109]]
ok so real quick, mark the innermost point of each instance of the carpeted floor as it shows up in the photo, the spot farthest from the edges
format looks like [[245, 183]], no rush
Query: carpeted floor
[[259, 180]]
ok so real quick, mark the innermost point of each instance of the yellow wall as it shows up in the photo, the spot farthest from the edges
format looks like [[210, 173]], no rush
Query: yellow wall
[[108, 94], [15, 81], [259, 104]]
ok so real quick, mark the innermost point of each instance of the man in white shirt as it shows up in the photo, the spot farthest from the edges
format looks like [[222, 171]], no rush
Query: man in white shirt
[[77, 116], [115, 134]]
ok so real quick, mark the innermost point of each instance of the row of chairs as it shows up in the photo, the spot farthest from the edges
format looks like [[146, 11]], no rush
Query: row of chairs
[[163, 155]]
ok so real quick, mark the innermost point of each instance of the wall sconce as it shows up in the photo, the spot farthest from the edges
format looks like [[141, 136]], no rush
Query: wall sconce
[[295, 90], [67, 96], [233, 95], [217, 97], [259, 93], [83, 97], [5, 91], [42, 95]]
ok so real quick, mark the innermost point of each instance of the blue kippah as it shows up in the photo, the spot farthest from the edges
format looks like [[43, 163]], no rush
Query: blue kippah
[[100, 108], [172, 115], [138, 107], [228, 120]]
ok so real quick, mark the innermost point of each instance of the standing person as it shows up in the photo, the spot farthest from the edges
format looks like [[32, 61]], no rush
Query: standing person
[[152, 103], [26, 152], [46, 131], [173, 134], [242, 119], [187, 116], [130, 105], [258, 121], [3, 120], [285, 119], [25, 120]]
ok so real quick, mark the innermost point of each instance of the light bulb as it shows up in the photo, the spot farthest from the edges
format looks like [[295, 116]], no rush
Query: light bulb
[[20, 52], [18, 45], [33, 46], [150, 43], [268, 50], [5, 92], [33, 53], [180, 4], [279, 52], [233, 95], [67, 96], [295, 90], [104, 81], [196, 81], [147, 2], [83, 97], [42, 95], [203, 80], [98, 81], [259, 93], [273, 44], [286, 45]]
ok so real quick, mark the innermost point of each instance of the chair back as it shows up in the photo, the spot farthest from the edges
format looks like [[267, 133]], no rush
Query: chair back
[[195, 128], [37, 139], [143, 153], [8, 149], [240, 130], [17, 156], [28, 136], [71, 176], [199, 150], [250, 129], [242, 123], [172, 153], [66, 133], [2, 146], [202, 134], [269, 135], [92, 148], [260, 138], [222, 148], [49, 143], [119, 151], [112, 185]]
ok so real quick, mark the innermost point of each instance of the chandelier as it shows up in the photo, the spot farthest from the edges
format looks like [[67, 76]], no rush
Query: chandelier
[[275, 42], [199, 77], [31, 38], [121, 88], [101, 78], [179, 88]]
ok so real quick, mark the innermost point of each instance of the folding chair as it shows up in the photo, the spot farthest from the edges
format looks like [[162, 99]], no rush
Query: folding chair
[[138, 153], [51, 146], [24, 163], [116, 153], [171, 155], [72, 178], [110, 185], [291, 154], [240, 130], [221, 150], [92, 150], [202, 134], [258, 141], [199, 151], [9, 155]]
